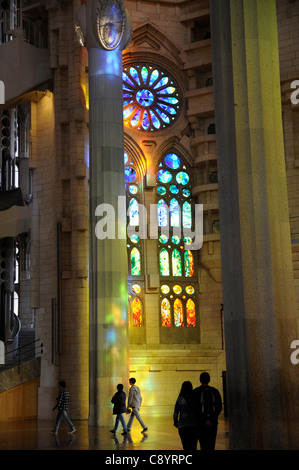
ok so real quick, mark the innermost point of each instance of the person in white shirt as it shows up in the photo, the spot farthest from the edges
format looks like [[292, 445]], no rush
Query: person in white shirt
[[134, 403]]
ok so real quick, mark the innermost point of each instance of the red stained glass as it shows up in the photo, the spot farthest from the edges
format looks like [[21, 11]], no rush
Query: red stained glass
[[136, 312], [190, 309], [165, 312]]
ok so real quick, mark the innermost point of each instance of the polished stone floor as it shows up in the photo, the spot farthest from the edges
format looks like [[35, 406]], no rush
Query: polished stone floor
[[36, 435]]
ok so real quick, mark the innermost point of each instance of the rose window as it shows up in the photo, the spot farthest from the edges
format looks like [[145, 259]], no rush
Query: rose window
[[151, 98]]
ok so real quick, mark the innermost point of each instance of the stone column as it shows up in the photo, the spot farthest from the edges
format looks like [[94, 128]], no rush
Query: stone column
[[108, 322], [108, 257], [257, 271]]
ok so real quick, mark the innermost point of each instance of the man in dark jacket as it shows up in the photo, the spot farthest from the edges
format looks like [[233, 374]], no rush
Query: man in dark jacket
[[208, 406], [119, 401]]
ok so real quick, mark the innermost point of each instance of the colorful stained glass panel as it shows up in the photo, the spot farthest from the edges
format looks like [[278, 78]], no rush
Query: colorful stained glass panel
[[164, 262], [135, 262], [182, 177], [136, 312], [162, 213], [172, 161], [176, 263], [178, 313], [165, 312], [187, 215], [174, 213], [164, 176], [190, 312], [188, 263]]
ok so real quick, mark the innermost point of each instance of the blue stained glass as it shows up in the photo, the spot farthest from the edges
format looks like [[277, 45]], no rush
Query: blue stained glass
[[145, 97], [145, 121], [186, 192], [134, 74], [182, 177], [134, 238], [133, 189], [172, 161], [167, 108], [163, 116], [162, 82], [167, 91], [135, 118], [174, 213], [128, 111], [164, 176], [175, 239], [168, 99], [154, 76], [155, 120], [162, 213], [125, 157], [161, 190], [144, 74], [174, 189], [130, 174]]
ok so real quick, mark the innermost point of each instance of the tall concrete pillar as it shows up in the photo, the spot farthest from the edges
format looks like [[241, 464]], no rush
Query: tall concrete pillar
[[257, 271], [105, 34]]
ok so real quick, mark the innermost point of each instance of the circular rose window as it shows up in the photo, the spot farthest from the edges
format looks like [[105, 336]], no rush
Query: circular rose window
[[151, 98]]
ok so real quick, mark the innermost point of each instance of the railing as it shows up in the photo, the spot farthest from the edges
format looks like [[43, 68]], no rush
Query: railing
[[22, 354], [17, 25]]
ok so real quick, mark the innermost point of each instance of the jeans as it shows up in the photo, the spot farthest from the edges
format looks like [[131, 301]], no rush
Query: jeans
[[62, 414], [134, 413], [120, 418]]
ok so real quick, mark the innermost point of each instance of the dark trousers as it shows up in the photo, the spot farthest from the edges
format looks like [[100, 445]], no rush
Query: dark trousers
[[189, 438], [207, 436]]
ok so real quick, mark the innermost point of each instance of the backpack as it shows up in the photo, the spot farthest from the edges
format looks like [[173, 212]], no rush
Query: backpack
[[207, 402]]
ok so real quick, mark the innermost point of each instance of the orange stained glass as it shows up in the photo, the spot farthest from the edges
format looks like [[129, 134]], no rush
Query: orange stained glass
[[137, 312], [178, 313], [190, 309], [165, 312]]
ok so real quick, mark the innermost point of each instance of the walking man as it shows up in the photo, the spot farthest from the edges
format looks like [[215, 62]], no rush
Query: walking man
[[208, 406], [134, 402], [62, 406]]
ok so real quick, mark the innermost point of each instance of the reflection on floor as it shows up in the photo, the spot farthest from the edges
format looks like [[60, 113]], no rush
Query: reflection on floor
[[36, 435]]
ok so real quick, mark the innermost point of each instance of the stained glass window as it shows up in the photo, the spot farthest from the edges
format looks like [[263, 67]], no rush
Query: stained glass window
[[136, 312], [164, 262], [178, 312], [190, 309], [151, 98], [135, 262], [177, 265], [188, 263], [165, 312], [133, 212]]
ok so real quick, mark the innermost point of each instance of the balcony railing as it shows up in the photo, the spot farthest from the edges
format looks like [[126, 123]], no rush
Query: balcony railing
[[17, 25]]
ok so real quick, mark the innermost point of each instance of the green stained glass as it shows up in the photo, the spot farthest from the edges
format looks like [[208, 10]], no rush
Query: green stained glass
[[182, 177], [164, 176], [161, 190], [188, 263], [187, 215], [163, 239], [135, 262], [134, 238], [175, 239], [176, 263], [186, 192], [164, 262], [174, 189]]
